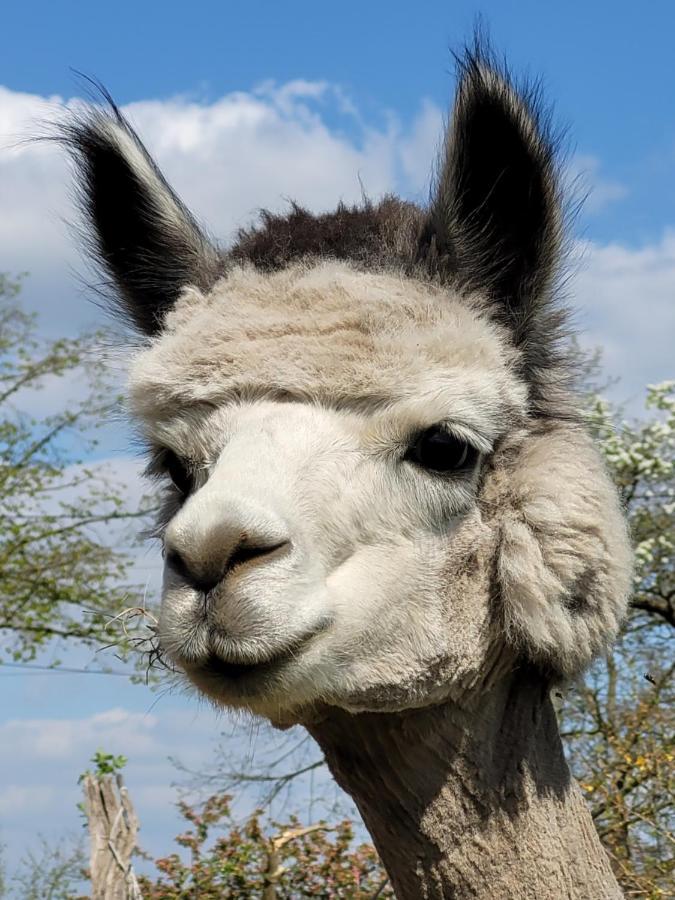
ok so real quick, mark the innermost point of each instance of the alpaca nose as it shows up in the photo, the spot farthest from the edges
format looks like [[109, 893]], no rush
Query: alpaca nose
[[204, 575]]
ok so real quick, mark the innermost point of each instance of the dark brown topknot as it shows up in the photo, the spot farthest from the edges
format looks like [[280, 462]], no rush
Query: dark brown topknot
[[379, 235]]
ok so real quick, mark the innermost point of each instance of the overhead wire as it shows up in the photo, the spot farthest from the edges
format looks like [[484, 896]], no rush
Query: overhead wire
[[65, 670]]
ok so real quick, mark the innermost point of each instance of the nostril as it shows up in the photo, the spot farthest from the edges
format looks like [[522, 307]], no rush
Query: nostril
[[175, 561], [245, 552]]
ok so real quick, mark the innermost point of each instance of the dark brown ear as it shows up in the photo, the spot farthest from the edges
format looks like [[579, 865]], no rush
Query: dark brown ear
[[140, 233], [495, 220]]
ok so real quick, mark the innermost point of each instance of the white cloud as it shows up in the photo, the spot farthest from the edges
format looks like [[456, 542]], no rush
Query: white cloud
[[117, 729], [251, 150], [226, 159], [585, 179], [33, 179], [421, 148], [30, 798], [626, 303]]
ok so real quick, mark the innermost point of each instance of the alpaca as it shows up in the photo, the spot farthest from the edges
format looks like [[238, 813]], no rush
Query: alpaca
[[382, 516]]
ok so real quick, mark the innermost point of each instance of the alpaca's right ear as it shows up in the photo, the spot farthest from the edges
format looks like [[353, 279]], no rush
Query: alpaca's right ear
[[140, 232], [495, 221]]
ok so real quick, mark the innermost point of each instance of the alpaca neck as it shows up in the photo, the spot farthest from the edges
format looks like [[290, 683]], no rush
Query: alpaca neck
[[472, 801]]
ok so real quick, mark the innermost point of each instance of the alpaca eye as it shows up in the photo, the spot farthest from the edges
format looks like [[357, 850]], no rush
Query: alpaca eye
[[438, 450], [179, 472]]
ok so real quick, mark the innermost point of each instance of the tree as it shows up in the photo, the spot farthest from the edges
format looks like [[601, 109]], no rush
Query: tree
[[50, 872], [641, 458], [267, 859], [60, 578], [618, 723]]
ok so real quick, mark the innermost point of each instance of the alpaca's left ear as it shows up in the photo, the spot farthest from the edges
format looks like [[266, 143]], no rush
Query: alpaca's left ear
[[139, 231], [564, 564], [495, 221]]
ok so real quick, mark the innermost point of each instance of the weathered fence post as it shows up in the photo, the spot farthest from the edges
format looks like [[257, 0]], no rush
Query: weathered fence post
[[113, 826]]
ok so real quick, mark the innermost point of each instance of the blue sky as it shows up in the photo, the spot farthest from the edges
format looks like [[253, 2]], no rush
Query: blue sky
[[246, 105]]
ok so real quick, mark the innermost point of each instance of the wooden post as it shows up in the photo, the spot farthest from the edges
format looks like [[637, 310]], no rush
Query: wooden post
[[113, 826]]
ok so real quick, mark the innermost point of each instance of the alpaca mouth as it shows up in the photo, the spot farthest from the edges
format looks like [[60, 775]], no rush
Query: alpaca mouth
[[215, 666]]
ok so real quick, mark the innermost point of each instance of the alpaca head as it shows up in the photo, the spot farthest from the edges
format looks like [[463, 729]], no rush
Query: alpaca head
[[376, 490]]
